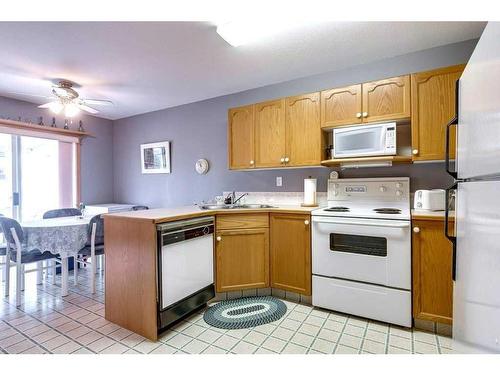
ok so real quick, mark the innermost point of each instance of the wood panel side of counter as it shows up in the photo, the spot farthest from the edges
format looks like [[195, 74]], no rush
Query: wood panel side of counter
[[131, 274]]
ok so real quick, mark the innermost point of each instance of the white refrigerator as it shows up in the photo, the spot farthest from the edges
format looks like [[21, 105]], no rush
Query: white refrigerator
[[476, 303]]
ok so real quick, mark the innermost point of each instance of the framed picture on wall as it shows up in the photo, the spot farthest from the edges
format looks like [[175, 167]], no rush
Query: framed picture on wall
[[155, 157]]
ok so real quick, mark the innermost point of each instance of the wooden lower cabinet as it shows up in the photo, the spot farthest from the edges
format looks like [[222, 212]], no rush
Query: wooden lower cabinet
[[291, 252], [432, 265], [242, 259]]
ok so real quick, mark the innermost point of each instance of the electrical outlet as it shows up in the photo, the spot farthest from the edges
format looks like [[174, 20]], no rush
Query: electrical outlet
[[279, 181]]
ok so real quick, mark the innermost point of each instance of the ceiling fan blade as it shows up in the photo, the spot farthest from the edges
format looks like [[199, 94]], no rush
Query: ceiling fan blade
[[97, 102], [46, 105], [33, 96], [86, 108]]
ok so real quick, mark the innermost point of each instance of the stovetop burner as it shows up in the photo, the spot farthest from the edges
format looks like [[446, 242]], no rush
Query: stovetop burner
[[337, 209], [393, 211]]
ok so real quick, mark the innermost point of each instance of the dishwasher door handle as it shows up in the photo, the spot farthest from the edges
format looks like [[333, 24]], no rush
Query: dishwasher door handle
[[185, 230]]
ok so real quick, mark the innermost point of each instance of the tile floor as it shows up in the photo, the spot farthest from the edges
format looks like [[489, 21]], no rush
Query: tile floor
[[47, 323]]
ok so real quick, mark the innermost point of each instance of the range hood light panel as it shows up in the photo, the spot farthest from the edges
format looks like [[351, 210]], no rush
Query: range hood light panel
[[365, 165]]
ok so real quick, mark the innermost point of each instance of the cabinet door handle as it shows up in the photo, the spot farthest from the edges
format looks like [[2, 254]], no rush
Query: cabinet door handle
[[358, 115], [416, 229], [365, 114], [306, 222], [219, 238], [287, 160], [252, 162], [282, 160], [415, 152]]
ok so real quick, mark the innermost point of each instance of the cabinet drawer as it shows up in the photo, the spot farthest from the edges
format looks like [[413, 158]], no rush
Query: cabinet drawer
[[242, 221]]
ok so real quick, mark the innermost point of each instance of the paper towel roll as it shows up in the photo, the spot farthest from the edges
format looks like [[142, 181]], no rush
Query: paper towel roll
[[309, 192]]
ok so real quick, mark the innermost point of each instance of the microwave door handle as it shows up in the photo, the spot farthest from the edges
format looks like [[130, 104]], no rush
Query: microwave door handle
[[383, 138]]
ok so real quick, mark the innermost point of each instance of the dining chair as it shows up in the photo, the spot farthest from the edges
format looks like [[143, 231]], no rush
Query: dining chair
[[139, 208], [93, 248], [3, 252], [18, 256], [62, 212]]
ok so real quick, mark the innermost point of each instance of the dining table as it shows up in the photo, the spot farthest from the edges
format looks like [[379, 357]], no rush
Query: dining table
[[62, 236]]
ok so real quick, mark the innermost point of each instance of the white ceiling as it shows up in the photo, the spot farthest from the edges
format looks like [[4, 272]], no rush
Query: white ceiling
[[144, 67]]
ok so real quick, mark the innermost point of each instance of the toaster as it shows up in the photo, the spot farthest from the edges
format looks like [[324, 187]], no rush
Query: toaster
[[432, 200]]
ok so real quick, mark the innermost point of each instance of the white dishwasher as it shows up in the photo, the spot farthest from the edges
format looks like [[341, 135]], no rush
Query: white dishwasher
[[185, 268]]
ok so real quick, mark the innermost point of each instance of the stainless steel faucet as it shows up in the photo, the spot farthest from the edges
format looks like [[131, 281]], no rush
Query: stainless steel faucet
[[236, 200], [231, 198]]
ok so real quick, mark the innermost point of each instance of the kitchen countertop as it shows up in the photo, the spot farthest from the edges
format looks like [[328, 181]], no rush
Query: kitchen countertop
[[430, 215], [162, 215]]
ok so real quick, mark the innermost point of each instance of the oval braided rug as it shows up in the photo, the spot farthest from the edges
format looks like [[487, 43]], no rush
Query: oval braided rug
[[245, 312]]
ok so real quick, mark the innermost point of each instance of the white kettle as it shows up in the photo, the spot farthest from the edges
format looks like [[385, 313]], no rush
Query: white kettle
[[432, 200]]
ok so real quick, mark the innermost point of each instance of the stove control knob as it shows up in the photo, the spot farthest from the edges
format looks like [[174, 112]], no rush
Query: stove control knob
[[399, 185], [383, 189], [399, 193]]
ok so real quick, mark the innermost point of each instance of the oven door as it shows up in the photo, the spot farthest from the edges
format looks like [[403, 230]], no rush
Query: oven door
[[367, 250], [366, 140]]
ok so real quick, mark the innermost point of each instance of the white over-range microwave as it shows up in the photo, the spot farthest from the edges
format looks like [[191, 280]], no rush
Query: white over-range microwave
[[364, 140]]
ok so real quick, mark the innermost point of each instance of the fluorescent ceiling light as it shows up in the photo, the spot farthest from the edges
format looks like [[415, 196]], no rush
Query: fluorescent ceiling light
[[237, 33]]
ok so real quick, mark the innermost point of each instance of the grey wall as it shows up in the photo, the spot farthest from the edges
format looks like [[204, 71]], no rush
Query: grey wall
[[198, 130], [96, 152]]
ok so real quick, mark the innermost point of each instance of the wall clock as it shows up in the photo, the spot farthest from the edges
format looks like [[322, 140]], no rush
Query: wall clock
[[201, 166]]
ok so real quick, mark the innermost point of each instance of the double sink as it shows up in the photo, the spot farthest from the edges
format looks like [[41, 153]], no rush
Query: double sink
[[233, 206]]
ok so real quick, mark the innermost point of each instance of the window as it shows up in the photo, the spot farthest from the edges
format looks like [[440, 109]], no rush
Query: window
[[36, 175]]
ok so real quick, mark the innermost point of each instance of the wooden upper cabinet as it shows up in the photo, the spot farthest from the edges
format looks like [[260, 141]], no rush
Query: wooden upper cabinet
[[432, 266], [303, 131], [387, 99], [270, 133], [290, 250], [433, 106], [241, 137], [341, 106]]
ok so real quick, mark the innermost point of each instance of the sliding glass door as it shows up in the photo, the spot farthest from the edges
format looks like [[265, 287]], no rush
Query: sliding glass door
[[36, 175], [8, 178]]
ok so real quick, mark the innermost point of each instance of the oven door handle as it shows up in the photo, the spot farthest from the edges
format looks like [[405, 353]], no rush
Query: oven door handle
[[363, 223]]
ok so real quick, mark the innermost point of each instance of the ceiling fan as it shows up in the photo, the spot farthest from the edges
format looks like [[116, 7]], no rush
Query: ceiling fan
[[67, 100]]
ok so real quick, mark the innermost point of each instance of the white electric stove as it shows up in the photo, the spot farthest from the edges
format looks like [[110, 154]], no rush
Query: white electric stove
[[361, 249]]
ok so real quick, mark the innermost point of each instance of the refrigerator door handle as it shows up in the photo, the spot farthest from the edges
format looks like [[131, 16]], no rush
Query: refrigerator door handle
[[454, 121], [452, 239], [453, 174]]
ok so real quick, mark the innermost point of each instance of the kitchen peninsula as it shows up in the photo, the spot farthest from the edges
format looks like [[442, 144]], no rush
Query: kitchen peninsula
[[132, 256]]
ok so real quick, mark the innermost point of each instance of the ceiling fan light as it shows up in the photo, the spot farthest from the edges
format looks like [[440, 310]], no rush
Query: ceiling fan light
[[71, 110], [56, 107]]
